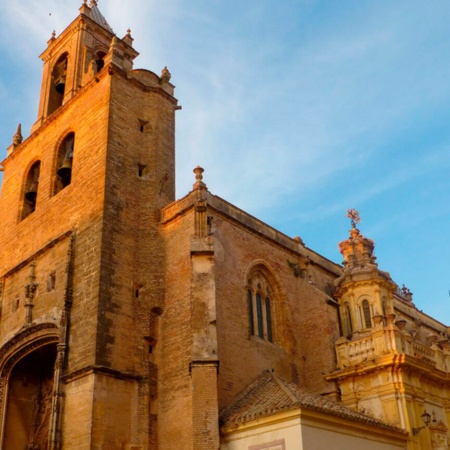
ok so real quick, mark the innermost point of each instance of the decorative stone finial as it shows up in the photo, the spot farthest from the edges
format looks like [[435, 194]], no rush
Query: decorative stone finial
[[18, 138], [128, 39], [84, 2], [52, 38], [166, 76], [357, 250], [353, 215], [406, 293], [198, 178], [93, 3]]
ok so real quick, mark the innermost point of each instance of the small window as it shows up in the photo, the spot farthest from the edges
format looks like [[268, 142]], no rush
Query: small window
[[143, 125], [366, 314], [64, 163], [142, 170], [51, 281], [347, 321], [31, 189]]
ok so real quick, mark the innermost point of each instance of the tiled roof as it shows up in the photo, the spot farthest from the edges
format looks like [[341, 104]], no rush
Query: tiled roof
[[269, 395], [98, 17]]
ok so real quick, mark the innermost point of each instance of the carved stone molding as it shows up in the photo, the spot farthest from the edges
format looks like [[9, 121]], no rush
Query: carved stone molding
[[18, 347], [28, 335]]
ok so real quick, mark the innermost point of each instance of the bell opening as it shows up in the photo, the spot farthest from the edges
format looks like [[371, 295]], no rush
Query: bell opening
[[65, 172]]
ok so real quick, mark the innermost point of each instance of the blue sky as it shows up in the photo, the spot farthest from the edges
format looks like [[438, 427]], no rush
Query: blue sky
[[297, 110]]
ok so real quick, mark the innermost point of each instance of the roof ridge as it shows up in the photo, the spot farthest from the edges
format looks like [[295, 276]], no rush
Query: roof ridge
[[244, 392], [283, 385]]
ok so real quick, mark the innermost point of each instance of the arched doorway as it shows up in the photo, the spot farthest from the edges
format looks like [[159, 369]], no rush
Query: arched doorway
[[28, 405]]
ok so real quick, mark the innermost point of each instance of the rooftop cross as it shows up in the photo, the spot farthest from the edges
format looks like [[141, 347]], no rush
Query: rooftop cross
[[353, 215]]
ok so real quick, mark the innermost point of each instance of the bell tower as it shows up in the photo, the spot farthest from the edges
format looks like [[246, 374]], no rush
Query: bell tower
[[81, 256], [74, 58], [364, 291]]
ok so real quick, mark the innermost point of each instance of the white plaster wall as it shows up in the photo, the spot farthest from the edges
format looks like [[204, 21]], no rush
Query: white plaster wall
[[298, 436], [321, 439], [288, 431]]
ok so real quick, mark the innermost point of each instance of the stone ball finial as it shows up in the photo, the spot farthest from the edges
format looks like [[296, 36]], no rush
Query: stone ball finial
[[129, 32], [165, 74]]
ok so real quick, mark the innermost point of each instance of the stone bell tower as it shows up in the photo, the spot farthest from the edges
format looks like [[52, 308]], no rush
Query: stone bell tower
[[364, 291], [81, 287]]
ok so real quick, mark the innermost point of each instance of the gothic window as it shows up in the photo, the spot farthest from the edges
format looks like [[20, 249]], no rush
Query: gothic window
[[31, 189], [58, 84], [64, 163], [367, 321], [259, 299]]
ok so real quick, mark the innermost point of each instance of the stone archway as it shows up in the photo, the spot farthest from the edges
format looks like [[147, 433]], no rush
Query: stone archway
[[29, 400]]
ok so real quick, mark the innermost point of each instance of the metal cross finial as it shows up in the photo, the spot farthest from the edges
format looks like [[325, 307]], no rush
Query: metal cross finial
[[353, 215]]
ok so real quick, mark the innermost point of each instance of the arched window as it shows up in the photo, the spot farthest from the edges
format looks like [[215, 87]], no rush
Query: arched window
[[259, 298], [64, 163], [367, 321], [58, 84], [31, 189], [346, 320]]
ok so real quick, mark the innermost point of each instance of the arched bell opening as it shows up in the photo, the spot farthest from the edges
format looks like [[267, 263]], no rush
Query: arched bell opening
[[64, 162], [31, 189], [58, 84], [99, 61], [29, 400]]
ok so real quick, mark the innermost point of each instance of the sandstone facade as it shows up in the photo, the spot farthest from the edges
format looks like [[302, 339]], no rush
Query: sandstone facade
[[133, 321]]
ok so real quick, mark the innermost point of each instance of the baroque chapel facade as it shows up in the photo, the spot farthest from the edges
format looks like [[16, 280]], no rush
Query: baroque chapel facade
[[134, 321]]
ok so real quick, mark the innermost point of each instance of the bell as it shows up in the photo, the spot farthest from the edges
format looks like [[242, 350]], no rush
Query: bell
[[30, 195], [65, 171], [60, 85]]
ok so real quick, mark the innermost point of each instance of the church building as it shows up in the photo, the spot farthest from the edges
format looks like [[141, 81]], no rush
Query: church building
[[130, 320]]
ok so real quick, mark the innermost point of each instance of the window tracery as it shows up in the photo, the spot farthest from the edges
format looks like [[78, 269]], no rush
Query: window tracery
[[259, 304]]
